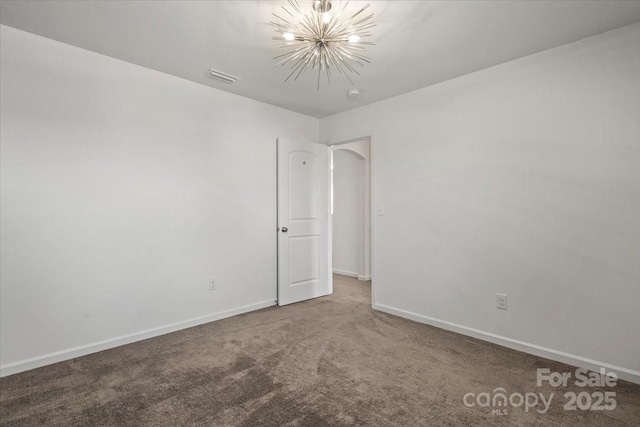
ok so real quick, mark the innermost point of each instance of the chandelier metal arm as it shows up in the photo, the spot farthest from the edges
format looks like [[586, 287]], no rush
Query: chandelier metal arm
[[295, 6]]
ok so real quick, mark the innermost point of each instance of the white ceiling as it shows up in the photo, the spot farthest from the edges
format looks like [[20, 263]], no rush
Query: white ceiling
[[418, 43]]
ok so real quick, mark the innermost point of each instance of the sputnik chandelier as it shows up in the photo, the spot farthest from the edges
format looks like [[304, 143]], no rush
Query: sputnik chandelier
[[324, 39]]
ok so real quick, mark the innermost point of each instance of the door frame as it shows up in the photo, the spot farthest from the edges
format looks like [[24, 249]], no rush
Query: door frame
[[373, 217], [373, 225], [363, 268]]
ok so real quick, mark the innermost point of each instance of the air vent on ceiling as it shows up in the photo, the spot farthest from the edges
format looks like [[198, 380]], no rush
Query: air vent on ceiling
[[223, 77]]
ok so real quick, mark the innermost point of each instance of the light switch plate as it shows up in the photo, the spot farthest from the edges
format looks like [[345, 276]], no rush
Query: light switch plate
[[501, 301]]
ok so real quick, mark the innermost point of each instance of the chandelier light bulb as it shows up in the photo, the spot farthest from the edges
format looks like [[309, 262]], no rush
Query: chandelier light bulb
[[354, 38], [288, 36], [326, 17]]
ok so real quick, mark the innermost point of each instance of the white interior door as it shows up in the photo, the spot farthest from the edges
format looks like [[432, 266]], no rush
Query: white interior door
[[303, 221]]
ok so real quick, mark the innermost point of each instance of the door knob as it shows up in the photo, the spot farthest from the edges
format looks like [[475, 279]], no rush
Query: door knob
[[285, 229]]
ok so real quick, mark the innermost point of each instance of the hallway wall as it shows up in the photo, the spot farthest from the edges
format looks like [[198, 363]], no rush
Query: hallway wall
[[348, 170]]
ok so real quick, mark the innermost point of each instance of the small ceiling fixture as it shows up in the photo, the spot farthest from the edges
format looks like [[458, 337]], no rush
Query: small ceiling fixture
[[223, 77], [325, 38], [353, 93]]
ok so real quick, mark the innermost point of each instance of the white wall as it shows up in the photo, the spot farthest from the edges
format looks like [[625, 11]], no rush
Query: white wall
[[348, 169], [123, 191], [521, 179]]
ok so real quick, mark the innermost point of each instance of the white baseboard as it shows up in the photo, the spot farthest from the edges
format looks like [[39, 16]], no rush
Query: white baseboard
[[364, 278], [60, 356], [559, 356], [345, 273]]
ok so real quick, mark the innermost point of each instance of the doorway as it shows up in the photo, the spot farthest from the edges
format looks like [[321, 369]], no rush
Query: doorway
[[351, 208]]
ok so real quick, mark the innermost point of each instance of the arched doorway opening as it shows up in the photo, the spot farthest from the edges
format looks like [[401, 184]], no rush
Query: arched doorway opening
[[351, 209]]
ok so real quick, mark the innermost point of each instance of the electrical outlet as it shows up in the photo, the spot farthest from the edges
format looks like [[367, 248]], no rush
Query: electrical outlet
[[213, 284], [501, 301]]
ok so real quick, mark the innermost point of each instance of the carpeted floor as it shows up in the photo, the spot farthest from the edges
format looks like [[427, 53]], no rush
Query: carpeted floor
[[328, 361]]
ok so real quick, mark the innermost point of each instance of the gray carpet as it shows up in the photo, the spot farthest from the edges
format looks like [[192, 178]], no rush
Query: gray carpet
[[328, 361]]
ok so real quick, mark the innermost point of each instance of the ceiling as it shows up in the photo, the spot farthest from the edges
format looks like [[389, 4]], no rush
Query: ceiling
[[417, 43]]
